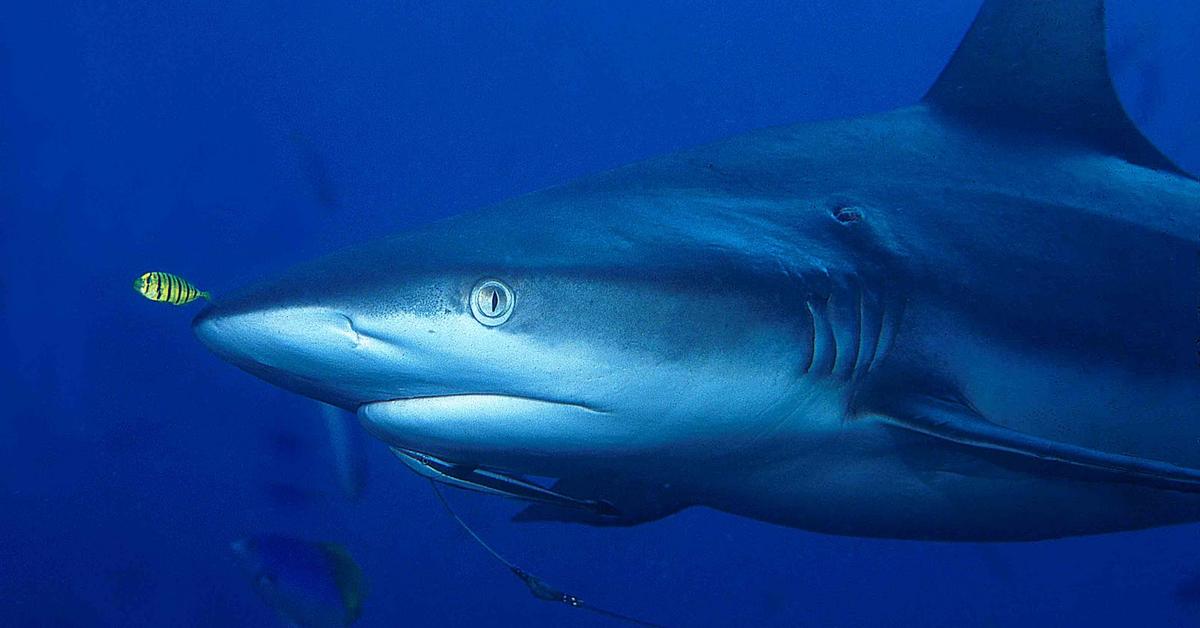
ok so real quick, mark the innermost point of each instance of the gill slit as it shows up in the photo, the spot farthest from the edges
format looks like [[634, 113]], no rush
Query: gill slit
[[812, 347], [883, 338], [824, 352], [862, 327], [855, 311]]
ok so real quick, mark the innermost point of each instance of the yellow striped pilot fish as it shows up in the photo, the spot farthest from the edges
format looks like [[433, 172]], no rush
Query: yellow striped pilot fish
[[168, 288]]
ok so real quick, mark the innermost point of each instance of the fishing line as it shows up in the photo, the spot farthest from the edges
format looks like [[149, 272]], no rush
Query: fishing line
[[538, 587]]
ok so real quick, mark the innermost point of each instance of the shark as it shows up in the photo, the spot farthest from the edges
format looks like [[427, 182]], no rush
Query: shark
[[973, 318]]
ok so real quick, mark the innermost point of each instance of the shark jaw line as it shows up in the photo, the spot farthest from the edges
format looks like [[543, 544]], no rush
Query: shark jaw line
[[466, 399]]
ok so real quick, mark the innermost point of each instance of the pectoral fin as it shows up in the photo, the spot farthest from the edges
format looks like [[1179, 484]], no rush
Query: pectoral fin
[[955, 421]]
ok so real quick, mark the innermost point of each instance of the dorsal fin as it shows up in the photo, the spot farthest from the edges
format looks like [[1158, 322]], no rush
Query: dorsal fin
[[1041, 65]]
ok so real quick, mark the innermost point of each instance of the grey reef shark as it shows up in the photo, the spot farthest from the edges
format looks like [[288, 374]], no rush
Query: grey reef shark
[[973, 318]]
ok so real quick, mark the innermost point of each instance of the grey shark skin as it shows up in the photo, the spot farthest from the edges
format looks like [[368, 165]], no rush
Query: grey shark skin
[[969, 319]]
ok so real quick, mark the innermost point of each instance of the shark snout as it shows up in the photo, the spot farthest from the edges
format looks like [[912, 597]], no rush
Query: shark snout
[[313, 350], [277, 337], [211, 327]]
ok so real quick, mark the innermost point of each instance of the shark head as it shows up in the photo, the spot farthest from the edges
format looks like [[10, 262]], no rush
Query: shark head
[[552, 329]]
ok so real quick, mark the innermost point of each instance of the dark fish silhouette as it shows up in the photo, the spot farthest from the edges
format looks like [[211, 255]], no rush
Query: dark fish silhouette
[[307, 583], [285, 496], [1187, 592], [284, 443], [316, 172]]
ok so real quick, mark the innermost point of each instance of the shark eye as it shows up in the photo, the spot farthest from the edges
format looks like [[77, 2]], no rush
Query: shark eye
[[491, 302]]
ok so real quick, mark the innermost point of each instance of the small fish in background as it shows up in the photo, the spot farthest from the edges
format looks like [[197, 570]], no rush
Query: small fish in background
[[168, 288], [134, 435], [285, 444], [307, 583], [40, 602], [132, 584], [316, 170], [349, 455], [286, 496], [1187, 592]]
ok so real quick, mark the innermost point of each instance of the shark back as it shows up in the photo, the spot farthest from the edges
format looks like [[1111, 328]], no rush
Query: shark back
[[1042, 67]]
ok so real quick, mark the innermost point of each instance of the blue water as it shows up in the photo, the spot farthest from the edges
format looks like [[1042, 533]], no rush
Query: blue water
[[226, 142]]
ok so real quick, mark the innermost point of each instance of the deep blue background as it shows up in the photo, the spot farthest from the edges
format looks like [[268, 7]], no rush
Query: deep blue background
[[223, 142]]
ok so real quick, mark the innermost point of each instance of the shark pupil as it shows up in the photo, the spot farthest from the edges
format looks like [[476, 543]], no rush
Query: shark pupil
[[491, 302]]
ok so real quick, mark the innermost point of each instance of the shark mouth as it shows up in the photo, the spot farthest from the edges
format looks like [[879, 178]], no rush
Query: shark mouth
[[471, 401], [497, 428]]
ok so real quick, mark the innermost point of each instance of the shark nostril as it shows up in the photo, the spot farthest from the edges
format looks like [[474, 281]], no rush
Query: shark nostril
[[846, 215], [353, 330]]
